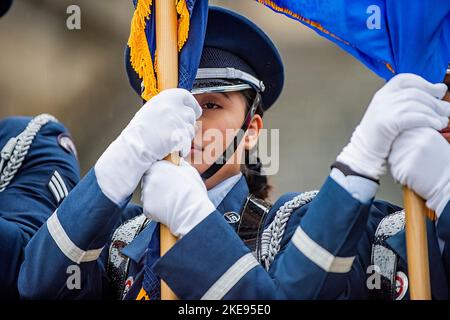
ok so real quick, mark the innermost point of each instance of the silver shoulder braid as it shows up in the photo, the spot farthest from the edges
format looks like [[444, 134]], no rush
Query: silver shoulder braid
[[273, 234], [16, 149]]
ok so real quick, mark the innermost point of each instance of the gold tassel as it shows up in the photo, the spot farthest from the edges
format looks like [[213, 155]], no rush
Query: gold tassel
[[142, 295], [140, 57], [183, 23]]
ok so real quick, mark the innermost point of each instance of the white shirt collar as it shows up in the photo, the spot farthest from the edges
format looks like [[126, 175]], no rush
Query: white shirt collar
[[219, 192]]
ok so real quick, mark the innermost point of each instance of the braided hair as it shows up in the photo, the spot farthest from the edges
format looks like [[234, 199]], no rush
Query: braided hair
[[257, 182]]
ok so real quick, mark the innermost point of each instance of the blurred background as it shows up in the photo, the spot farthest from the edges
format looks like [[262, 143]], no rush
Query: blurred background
[[79, 76]]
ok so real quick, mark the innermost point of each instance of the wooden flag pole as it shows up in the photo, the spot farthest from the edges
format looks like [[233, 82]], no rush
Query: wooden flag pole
[[416, 242], [167, 74], [416, 246]]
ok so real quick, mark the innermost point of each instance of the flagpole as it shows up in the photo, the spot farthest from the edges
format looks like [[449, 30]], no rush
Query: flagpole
[[416, 242], [416, 246], [167, 76]]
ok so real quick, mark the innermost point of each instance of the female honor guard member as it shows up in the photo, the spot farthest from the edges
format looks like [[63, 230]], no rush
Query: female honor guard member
[[232, 244], [38, 167]]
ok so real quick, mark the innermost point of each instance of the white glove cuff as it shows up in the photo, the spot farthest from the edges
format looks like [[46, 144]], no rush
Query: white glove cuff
[[360, 188], [119, 171], [196, 213], [439, 201], [361, 160]]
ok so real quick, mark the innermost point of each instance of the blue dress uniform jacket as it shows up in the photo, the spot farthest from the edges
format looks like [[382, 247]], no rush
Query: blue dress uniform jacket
[[79, 233], [27, 201], [317, 253], [325, 250], [443, 232], [313, 261]]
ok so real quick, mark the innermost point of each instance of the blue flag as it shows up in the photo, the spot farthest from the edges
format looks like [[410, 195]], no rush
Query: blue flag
[[192, 21], [388, 36]]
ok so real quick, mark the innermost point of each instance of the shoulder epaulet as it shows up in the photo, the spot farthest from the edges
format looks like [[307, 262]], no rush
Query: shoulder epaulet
[[273, 234], [16, 149], [386, 259]]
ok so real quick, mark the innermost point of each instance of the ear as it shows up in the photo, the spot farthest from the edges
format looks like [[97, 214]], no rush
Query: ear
[[252, 134]]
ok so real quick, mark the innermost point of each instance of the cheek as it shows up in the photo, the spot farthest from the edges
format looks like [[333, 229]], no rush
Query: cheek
[[211, 130], [219, 127]]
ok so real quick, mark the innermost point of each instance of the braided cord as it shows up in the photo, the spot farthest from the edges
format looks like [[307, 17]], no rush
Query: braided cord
[[273, 234], [21, 145]]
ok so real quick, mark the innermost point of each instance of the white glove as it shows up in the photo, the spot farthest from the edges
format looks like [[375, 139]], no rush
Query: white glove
[[420, 159], [407, 101], [176, 196], [166, 123]]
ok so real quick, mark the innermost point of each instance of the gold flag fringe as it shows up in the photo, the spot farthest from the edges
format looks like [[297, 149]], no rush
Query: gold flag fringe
[[140, 57]]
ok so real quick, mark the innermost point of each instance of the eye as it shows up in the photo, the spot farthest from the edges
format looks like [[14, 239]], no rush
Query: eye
[[211, 105]]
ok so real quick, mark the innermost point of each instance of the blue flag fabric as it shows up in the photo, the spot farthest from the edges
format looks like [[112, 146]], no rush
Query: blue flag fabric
[[141, 59], [388, 36]]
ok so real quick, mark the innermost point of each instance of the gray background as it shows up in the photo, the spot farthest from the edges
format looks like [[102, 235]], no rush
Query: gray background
[[79, 77]]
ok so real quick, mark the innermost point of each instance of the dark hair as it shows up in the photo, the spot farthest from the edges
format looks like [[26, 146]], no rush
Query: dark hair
[[258, 183]]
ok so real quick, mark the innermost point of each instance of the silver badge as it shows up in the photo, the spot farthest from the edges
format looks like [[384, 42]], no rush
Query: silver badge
[[65, 141], [401, 285], [232, 217]]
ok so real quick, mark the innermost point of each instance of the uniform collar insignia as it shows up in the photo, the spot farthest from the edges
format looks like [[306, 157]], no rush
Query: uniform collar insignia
[[235, 199]]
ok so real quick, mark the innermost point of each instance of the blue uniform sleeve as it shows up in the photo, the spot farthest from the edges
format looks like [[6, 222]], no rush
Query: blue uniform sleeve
[[320, 250], [353, 285], [67, 257], [27, 201]]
